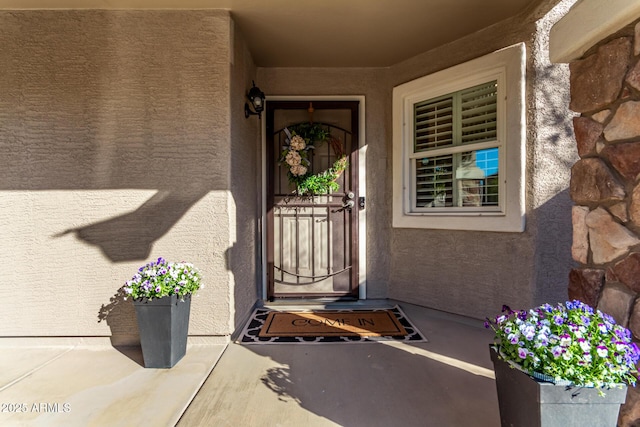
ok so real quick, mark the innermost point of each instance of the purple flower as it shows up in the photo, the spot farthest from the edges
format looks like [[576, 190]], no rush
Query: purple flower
[[547, 307], [635, 350], [158, 288], [542, 340], [558, 320], [529, 332], [622, 333], [608, 318], [513, 338], [522, 353]]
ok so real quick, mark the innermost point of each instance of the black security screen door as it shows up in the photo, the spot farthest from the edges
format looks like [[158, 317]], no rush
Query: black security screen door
[[312, 240]]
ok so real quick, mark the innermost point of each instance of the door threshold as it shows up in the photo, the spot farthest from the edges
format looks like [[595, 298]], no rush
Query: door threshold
[[320, 304]]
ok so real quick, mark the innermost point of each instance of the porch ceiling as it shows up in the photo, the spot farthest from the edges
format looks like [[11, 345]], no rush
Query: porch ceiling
[[331, 33]]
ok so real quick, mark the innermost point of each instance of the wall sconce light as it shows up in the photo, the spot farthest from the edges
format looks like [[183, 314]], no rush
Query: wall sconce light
[[256, 97]]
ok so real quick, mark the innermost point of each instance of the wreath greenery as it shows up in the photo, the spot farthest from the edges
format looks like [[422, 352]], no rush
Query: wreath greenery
[[301, 140]]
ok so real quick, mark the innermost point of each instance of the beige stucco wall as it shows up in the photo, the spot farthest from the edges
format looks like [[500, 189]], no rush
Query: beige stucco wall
[[116, 149], [471, 273], [243, 255]]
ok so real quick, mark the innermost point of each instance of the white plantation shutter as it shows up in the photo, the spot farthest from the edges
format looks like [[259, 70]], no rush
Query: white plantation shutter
[[434, 124], [478, 113], [434, 180], [466, 117]]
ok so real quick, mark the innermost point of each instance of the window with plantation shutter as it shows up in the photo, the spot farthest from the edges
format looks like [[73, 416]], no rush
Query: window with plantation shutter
[[458, 146], [461, 179]]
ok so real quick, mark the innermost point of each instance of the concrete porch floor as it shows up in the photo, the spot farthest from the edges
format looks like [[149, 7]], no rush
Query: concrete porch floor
[[447, 381]]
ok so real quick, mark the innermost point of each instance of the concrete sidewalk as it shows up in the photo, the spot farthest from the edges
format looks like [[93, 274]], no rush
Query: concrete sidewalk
[[87, 382], [447, 381]]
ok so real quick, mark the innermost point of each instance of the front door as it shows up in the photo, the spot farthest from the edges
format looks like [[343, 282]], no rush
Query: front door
[[312, 229]]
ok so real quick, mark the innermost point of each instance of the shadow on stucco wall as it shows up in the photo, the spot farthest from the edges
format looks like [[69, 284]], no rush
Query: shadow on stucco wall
[[130, 236], [553, 260], [552, 81]]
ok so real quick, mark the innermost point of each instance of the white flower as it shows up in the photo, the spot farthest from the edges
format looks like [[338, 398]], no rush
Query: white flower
[[298, 170], [297, 143], [602, 351], [293, 158]]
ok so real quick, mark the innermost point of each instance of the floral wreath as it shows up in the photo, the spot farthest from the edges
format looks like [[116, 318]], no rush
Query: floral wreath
[[301, 139]]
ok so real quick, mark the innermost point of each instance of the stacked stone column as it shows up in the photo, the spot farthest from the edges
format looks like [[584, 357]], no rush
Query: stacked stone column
[[605, 184]]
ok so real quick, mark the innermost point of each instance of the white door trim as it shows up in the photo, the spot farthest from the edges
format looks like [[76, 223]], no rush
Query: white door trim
[[362, 182]]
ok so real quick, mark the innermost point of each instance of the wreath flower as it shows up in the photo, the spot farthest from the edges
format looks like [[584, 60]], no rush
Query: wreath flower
[[293, 158], [298, 170], [301, 140], [298, 143]]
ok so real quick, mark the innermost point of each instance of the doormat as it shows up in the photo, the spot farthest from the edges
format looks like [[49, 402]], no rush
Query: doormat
[[331, 323], [329, 326]]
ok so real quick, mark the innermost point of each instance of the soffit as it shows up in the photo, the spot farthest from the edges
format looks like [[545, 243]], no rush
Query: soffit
[[331, 33]]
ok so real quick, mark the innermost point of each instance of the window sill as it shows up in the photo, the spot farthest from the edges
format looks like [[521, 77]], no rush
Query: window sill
[[477, 221]]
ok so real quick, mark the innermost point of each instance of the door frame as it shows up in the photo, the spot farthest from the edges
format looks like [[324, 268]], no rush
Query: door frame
[[362, 213]]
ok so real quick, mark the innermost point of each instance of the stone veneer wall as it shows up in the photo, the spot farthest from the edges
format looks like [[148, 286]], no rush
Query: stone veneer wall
[[605, 185]]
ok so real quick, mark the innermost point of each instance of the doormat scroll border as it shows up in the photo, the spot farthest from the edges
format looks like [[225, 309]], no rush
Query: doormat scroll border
[[252, 328]]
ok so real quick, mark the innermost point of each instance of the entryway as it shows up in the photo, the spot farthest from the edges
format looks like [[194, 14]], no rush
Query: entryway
[[313, 240]]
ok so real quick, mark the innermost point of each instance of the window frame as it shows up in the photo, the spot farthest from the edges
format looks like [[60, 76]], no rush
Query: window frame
[[508, 67]]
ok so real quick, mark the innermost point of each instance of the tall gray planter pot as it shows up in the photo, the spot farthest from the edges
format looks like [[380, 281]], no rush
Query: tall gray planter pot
[[164, 325], [526, 402]]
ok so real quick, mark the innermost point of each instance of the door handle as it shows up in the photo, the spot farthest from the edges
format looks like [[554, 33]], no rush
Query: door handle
[[348, 202], [348, 205]]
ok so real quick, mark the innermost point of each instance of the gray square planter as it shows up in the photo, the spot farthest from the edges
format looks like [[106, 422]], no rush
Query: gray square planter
[[526, 402], [163, 324]]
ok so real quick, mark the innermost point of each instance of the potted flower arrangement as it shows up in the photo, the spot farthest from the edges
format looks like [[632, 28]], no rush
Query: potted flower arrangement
[[161, 293], [572, 365]]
